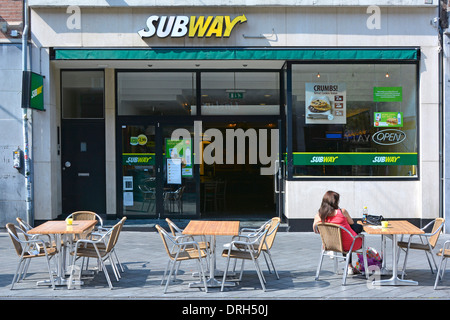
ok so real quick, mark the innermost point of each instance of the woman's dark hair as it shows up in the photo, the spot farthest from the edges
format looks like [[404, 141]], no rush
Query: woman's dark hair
[[330, 202]]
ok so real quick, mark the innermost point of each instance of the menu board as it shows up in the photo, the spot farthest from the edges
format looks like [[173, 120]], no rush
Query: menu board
[[325, 103], [174, 171]]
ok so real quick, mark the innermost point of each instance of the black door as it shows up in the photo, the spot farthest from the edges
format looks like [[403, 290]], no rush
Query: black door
[[83, 166]]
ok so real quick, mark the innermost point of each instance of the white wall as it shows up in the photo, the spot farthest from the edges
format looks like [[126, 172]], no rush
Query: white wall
[[294, 26], [230, 3]]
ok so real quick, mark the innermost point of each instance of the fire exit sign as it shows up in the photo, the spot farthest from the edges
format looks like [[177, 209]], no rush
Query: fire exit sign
[[235, 95]]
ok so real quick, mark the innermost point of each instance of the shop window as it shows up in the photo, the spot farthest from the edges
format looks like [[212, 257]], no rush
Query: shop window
[[240, 93], [156, 93], [82, 94], [357, 120]]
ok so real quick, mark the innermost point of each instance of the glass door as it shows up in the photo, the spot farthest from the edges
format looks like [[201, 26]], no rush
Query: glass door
[[159, 178], [179, 174], [139, 170]]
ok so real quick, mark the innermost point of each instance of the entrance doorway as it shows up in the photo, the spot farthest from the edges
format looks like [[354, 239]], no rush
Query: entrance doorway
[[236, 186], [153, 172], [83, 166], [159, 178]]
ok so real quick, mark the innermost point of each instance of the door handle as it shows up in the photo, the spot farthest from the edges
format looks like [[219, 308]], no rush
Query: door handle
[[83, 174], [276, 179]]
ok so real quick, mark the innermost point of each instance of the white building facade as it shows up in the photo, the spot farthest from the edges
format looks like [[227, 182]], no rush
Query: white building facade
[[326, 95]]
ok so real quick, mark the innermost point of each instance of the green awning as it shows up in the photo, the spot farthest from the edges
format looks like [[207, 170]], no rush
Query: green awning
[[410, 54]]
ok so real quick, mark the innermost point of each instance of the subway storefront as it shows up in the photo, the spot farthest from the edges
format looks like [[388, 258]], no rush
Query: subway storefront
[[229, 114]]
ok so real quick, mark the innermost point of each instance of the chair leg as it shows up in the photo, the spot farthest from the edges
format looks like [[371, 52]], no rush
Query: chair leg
[[170, 274], [320, 265], [438, 273], [225, 273], [202, 274], [50, 273], [267, 263], [260, 275], [165, 272], [273, 265], [16, 275], [347, 261], [105, 271], [404, 263], [430, 252], [366, 264]]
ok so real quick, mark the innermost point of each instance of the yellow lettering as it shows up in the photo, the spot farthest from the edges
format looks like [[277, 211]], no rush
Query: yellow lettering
[[216, 27], [229, 25], [199, 25]]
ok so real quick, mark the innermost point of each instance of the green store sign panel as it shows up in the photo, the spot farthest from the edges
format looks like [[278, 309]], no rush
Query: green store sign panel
[[138, 159], [354, 159], [32, 91]]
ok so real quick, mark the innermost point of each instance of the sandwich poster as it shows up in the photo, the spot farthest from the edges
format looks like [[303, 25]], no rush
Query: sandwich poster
[[388, 119], [325, 103]]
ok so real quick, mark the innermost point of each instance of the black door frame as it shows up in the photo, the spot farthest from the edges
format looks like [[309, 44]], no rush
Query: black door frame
[[189, 120]]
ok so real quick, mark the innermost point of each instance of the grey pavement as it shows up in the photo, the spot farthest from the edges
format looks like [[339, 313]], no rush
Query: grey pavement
[[296, 256]]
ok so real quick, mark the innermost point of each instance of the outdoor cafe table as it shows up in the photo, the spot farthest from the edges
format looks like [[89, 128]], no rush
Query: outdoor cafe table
[[394, 228], [213, 229], [62, 232]]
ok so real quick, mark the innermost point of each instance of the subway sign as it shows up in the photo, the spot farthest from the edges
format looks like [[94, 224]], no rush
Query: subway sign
[[354, 159], [193, 26]]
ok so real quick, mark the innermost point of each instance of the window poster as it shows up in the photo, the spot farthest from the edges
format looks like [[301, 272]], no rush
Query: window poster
[[128, 199], [325, 103], [388, 119], [181, 149]]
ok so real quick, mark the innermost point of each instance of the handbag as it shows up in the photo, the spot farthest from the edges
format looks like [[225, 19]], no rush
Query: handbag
[[375, 220], [374, 260]]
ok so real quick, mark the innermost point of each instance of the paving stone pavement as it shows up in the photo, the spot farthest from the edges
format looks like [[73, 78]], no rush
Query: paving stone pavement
[[295, 254]]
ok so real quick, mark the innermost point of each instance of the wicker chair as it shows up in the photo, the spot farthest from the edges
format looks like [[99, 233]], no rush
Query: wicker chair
[[176, 231], [27, 249], [331, 235], [183, 249], [248, 249], [86, 215], [444, 253], [102, 249], [270, 238], [427, 244]]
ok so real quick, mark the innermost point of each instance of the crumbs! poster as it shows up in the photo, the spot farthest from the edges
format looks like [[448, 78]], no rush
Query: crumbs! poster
[[325, 103]]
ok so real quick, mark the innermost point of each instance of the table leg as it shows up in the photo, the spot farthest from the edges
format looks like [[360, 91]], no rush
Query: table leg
[[212, 282], [395, 280], [60, 279], [384, 270]]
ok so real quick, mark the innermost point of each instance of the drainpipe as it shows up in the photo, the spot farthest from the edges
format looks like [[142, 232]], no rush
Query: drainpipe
[[25, 120]]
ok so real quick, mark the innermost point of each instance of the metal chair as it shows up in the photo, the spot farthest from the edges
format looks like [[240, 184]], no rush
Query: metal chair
[[183, 249], [86, 215], [26, 227], [444, 253], [427, 244], [331, 235], [27, 249], [204, 244], [149, 195], [101, 249], [271, 234], [249, 249]]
